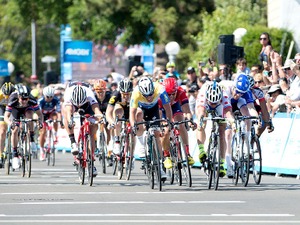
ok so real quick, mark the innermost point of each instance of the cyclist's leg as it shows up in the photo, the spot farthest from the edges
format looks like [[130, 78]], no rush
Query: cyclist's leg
[[54, 117], [68, 110], [118, 112], [222, 127], [42, 136], [29, 114], [3, 129], [201, 135], [139, 146]]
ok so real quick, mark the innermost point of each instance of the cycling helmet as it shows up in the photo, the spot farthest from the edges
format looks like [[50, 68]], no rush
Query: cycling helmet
[[126, 85], [242, 83], [99, 85], [214, 93], [23, 91], [78, 97], [146, 86], [35, 93], [251, 81], [48, 92], [7, 88], [170, 85]]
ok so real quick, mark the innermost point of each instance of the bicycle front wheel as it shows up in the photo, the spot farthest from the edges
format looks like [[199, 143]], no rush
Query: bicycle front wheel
[[8, 155], [89, 160], [244, 161], [156, 164], [102, 154], [129, 156], [186, 168], [27, 156], [81, 166], [256, 161]]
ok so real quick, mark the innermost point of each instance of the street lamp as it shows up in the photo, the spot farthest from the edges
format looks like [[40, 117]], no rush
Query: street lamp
[[48, 59], [172, 49]]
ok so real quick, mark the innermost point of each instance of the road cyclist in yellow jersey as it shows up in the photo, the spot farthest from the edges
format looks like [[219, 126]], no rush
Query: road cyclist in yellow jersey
[[144, 107], [6, 89]]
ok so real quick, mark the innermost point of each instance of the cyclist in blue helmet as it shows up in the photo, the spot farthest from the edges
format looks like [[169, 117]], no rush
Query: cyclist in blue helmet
[[242, 83]]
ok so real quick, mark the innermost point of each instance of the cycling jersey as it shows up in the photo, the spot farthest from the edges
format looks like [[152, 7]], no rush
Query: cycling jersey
[[138, 100], [91, 99], [49, 107], [103, 104], [116, 98], [13, 103], [3, 99], [257, 94]]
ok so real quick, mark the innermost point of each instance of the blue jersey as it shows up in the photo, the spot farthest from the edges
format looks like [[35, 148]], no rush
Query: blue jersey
[[49, 107]]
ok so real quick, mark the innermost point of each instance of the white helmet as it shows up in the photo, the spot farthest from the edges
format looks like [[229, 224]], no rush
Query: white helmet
[[78, 97], [48, 92], [146, 86], [214, 93]]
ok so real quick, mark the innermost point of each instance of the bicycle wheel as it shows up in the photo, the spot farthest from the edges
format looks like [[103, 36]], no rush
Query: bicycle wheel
[[235, 158], [149, 163], [216, 161], [121, 158], [102, 148], [81, 166], [52, 156], [244, 161], [26, 156], [179, 163], [89, 159], [51, 146], [173, 157], [209, 163], [129, 156], [8, 155], [256, 161], [156, 164], [186, 168]]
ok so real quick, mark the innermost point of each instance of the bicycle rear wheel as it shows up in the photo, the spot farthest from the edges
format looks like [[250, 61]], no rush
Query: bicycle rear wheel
[[216, 162], [149, 168], [156, 164], [27, 156], [173, 157], [236, 156], [89, 160], [129, 156], [256, 161], [244, 161], [121, 158]]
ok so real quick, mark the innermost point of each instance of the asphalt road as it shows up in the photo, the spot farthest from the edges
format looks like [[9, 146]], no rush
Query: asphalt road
[[53, 195]]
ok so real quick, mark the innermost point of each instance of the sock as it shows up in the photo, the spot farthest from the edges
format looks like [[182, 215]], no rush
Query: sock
[[228, 160], [201, 147], [72, 138], [117, 139], [187, 149], [140, 139]]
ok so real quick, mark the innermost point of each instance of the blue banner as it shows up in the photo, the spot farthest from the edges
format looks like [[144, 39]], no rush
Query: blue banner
[[4, 67], [65, 67], [147, 57], [78, 51]]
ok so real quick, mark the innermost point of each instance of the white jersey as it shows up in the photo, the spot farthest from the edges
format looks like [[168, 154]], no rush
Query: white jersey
[[89, 94]]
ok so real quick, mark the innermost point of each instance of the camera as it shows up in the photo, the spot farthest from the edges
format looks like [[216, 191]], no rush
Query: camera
[[137, 73]]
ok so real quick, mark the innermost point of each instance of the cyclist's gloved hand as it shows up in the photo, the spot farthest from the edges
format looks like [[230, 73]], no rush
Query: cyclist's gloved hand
[[270, 126], [40, 124], [62, 125], [12, 125], [71, 124]]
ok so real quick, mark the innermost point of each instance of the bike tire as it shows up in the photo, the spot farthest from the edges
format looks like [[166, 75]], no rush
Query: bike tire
[[186, 168], [256, 160], [156, 164], [89, 160], [149, 169], [8, 155], [235, 158], [27, 156], [129, 156], [216, 162], [209, 163], [121, 158], [103, 150], [179, 164], [244, 161], [81, 167], [52, 156], [173, 156]]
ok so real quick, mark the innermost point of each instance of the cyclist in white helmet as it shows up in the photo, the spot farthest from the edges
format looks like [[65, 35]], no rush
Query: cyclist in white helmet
[[50, 107], [144, 106], [79, 97], [212, 98]]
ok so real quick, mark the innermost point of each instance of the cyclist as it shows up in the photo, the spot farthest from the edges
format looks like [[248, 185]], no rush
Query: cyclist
[[21, 104], [118, 106], [241, 99], [144, 106], [50, 107], [103, 96], [212, 98], [180, 108], [261, 108], [6, 89], [80, 98]]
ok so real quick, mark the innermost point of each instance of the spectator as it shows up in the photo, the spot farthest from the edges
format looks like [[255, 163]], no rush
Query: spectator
[[171, 68], [192, 77], [241, 65], [224, 72], [297, 58], [276, 101], [255, 69], [193, 92], [284, 85], [266, 49], [136, 71]]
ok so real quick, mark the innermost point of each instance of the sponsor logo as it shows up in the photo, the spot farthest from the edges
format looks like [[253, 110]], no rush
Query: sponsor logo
[[77, 51]]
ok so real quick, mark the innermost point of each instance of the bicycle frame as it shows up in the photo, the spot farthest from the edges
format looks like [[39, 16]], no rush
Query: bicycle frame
[[50, 150]]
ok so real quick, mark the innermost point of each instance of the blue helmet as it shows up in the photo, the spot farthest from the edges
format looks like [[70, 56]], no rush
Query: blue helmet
[[242, 83]]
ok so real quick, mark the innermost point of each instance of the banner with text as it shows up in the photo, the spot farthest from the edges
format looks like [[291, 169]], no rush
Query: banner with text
[[78, 51]]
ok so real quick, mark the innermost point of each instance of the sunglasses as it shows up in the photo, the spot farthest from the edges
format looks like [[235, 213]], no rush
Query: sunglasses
[[49, 96], [258, 82], [24, 99], [100, 92], [125, 94], [172, 94], [287, 69], [263, 39]]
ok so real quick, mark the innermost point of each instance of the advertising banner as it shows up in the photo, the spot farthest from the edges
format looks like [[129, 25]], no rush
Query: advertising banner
[[78, 51], [4, 67]]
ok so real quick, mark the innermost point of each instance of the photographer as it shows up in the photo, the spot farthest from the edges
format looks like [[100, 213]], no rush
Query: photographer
[[135, 73]]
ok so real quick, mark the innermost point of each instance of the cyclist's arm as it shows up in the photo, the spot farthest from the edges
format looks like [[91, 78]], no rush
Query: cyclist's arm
[[186, 110], [96, 109], [7, 118], [109, 114], [168, 111], [40, 115], [252, 109], [132, 113]]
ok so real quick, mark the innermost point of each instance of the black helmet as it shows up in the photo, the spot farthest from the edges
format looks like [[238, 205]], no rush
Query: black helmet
[[23, 91], [126, 85], [7, 88]]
